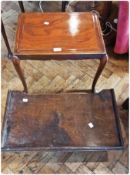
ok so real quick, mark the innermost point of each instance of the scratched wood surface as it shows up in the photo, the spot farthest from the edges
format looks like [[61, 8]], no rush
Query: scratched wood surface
[[63, 121], [56, 76]]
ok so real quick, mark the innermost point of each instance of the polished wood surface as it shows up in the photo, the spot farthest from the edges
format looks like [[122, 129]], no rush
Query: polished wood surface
[[64, 121], [62, 34]]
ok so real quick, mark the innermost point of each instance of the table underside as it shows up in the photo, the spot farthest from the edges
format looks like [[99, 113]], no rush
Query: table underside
[[63, 121]]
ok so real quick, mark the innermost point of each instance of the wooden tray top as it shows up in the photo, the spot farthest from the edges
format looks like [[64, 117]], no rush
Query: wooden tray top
[[59, 34], [64, 121]]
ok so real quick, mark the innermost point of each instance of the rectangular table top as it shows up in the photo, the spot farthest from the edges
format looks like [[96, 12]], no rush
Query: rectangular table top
[[64, 121], [46, 34]]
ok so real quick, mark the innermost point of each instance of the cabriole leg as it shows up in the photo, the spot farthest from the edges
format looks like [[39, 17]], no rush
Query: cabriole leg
[[102, 64]]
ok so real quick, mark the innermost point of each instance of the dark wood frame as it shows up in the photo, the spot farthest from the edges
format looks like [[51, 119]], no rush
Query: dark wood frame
[[64, 3], [21, 6]]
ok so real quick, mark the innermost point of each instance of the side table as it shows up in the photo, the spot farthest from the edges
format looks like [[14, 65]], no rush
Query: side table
[[64, 121], [43, 36]]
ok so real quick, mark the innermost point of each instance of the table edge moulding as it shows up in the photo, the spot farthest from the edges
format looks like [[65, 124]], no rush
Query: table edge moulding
[[27, 19]]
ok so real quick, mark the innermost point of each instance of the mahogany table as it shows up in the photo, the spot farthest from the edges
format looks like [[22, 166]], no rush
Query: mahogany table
[[64, 121], [60, 36]]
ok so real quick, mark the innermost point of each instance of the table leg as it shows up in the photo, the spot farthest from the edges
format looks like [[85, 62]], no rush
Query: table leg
[[21, 6], [102, 64], [64, 3], [16, 63]]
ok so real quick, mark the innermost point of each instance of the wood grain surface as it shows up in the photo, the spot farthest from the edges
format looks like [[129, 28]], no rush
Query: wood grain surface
[[59, 34], [63, 121]]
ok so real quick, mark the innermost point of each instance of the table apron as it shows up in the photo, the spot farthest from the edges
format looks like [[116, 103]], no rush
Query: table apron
[[61, 57]]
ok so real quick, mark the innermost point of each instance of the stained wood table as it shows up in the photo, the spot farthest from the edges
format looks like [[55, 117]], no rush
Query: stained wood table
[[59, 36], [64, 121]]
